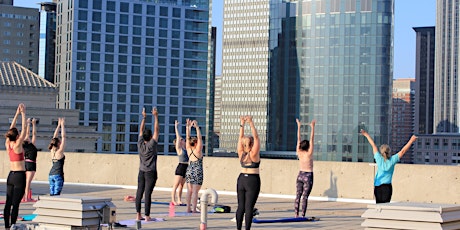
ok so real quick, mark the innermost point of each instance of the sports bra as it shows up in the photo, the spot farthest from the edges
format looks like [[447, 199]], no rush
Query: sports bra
[[14, 156], [252, 165]]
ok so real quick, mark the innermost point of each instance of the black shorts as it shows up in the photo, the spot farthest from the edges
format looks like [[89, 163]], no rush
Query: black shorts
[[31, 166], [181, 169]]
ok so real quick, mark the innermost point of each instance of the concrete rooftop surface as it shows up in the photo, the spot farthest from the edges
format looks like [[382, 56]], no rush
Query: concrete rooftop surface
[[333, 215]]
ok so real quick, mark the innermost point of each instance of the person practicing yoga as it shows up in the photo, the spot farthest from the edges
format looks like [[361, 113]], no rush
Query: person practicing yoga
[[148, 153], [383, 190], [304, 182], [181, 169], [16, 181], [194, 174], [30, 154], [248, 183], [56, 147]]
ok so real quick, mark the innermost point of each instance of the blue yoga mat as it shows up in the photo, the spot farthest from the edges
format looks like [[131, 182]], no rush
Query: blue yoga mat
[[166, 203], [299, 219]]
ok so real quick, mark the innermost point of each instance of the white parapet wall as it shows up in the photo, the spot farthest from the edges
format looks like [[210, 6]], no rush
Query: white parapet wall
[[335, 181]]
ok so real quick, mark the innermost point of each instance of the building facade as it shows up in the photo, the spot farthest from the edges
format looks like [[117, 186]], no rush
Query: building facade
[[446, 91], [324, 60], [19, 34], [402, 115], [115, 57], [46, 60], [437, 149], [424, 75], [20, 85]]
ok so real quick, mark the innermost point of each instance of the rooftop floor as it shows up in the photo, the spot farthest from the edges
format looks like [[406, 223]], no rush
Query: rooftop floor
[[333, 215]]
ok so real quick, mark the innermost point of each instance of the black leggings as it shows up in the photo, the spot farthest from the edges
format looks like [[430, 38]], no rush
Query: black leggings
[[383, 193], [145, 183], [15, 188], [248, 188]]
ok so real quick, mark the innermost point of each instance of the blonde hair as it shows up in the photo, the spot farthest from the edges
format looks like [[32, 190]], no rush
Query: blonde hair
[[248, 142], [385, 150]]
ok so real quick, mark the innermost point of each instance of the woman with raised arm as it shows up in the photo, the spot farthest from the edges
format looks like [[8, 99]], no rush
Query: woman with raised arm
[[194, 174], [181, 169], [56, 147], [16, 181], [30, 151], [248, 183], [148, 154], [383, 190], [304, 182]]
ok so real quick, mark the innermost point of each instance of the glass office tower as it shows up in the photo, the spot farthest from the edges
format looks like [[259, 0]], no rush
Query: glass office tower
[[47, 45], [115, 57], [329, 60]]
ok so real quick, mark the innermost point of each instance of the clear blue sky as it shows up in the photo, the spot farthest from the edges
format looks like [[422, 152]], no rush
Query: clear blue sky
[[408, 14]]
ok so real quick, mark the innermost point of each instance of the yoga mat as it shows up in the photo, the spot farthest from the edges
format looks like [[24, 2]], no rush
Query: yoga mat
[[166, 203], [29, 217], [133, 221], [281, 220]]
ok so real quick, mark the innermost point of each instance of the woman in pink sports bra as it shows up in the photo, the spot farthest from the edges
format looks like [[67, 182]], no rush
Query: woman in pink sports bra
[[16, 181]]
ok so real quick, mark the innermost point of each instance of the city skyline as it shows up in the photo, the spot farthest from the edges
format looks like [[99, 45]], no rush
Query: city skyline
[[406, 17]]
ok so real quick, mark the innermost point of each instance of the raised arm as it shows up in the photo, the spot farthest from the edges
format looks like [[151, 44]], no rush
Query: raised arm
[[188, 124], [141, 127], [312, 136], [34, 130], [198, 136], [370, 140], [15, 118], [407, 146], [56, 131], [239, 147], [178, 137], [256, 146], [27, 129], [298, 135], [23, 133], [156, 126], [63, 135]]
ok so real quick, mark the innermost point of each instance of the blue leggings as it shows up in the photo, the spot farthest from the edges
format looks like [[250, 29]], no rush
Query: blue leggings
[[304, 186], [248, 188], [15, 188], [56, 184]]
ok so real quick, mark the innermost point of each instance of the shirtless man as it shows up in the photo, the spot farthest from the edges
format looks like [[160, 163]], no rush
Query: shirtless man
[[304, 183]]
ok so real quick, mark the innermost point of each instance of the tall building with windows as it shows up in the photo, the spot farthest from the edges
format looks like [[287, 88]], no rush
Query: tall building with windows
[[402, 124], [19, 33], [329, 60], [115, 57], [446, 91], [47, 45], [424, 75]]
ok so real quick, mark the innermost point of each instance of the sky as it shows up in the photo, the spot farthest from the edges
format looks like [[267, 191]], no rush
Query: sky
[[408, 14]]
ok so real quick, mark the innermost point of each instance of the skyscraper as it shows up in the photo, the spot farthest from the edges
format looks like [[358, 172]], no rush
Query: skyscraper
[[424, 75], [324, 60], [402, 124], [446, 91], [19, 31], [115, 57], [47, 45]]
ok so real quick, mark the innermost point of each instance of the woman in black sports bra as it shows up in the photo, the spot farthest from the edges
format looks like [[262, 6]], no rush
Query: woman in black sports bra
[[248, 183]]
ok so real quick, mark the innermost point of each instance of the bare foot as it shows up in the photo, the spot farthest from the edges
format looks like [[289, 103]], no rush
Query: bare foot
[[139, 216], [147, 218], [179, 202], [175, 203]]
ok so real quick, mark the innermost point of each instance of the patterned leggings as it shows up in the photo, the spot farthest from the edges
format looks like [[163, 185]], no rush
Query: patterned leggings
[[304, 186]]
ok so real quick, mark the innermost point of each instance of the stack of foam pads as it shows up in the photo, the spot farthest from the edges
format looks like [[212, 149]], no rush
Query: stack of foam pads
[[417, 216], [69, 212]]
